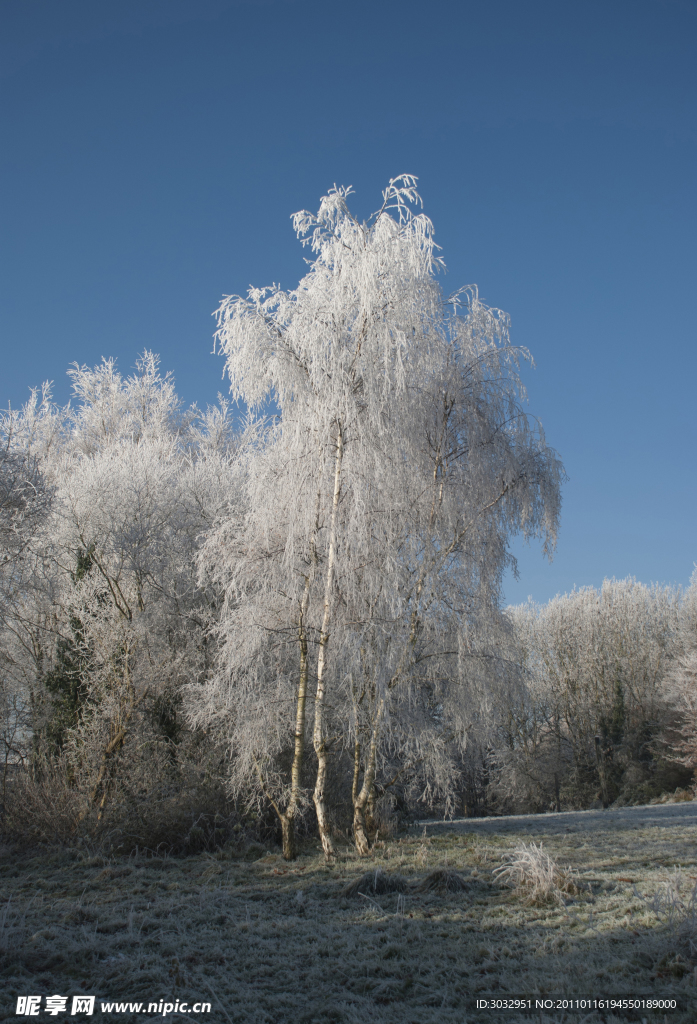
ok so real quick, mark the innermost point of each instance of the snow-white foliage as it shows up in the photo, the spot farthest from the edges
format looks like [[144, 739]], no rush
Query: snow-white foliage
[[25, 504], [319, 590], [110, 575], [681, 682], [379, 507], [593, 705], [681, 691]]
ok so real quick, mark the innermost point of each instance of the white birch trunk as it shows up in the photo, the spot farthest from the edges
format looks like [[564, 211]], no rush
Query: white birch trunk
[[366, 797], [319, 738], [288, 816]]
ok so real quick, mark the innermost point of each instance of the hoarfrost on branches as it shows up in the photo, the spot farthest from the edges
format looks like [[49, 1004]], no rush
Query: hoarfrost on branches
[[378, 511], [105, 619], [305, 606]]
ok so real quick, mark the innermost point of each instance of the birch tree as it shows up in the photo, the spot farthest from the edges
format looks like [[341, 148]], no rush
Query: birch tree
[[379, 508]]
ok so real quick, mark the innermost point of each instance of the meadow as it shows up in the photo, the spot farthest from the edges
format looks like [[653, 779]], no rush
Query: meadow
[[267, 942]]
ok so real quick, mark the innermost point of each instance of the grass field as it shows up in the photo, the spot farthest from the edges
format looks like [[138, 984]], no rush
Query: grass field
[[268, 943]]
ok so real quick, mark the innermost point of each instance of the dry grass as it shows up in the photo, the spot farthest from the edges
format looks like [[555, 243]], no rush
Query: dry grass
[[675, 904], [532, 873], [272, 943], [442, 881], [375, 883]]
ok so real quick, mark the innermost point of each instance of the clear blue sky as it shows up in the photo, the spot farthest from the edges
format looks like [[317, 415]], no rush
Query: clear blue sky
[[152, 153]]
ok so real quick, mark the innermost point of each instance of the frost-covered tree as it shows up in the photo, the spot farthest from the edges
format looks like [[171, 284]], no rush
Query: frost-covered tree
[[594, 704], [682, 694], [113, 620], [681, 684], [25, 505], [378, 510]]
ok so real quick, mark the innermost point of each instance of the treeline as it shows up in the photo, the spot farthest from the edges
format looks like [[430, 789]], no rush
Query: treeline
[[109, 509], [294, 626], [607, 711], [103, 621]]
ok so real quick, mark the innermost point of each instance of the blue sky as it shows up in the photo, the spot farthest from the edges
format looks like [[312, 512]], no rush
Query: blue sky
[[152, 153]]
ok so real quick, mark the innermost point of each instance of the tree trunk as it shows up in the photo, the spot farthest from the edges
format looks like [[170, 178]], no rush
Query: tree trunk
[[359, 826], [112, 747], [115, 744], [288, 833], [319, 800], [360, 833], [365, 800], [320, 698], [288, 817], [600, 758]]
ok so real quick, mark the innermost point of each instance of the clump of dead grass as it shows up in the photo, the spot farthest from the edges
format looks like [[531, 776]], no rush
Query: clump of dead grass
[[442, 880], [376, 883], [675, 905], [532, 873]]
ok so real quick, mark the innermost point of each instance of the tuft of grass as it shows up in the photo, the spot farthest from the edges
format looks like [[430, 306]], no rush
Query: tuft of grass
[[675, 905], [442, 880], [375, 883], [532, 873]]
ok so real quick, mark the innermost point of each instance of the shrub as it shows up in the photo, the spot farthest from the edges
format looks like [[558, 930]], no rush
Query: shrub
[[41, 809]]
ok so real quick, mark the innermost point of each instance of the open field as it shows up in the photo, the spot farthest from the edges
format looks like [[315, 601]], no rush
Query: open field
[[600, 823], [270, 943]]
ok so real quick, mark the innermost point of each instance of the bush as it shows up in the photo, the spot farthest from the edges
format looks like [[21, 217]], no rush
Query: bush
[[41, 809]]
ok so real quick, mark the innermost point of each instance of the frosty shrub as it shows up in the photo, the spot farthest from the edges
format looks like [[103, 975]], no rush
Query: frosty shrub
[[41, 808], [532, 873]]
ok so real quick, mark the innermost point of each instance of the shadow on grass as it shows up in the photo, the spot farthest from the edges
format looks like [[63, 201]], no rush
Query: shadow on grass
[[270, 943]]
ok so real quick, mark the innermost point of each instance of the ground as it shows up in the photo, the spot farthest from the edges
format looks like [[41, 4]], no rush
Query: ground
[[267, 942]]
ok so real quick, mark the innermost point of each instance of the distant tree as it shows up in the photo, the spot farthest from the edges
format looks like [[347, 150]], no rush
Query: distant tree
[[681, 685], [594, 705]]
